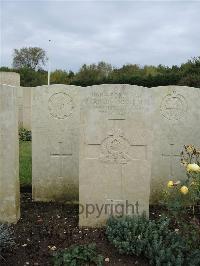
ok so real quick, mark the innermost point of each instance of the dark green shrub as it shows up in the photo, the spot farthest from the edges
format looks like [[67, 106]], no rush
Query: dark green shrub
[[153, 239], [25, 135], [78, 255]]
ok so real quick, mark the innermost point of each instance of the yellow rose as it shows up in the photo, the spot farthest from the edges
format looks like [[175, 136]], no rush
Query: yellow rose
[[170, 184], [193, 167], [184, 190]]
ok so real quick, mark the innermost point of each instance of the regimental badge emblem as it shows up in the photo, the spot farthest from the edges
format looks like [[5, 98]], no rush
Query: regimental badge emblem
[[60, 105], [173, 106], [115, 148]]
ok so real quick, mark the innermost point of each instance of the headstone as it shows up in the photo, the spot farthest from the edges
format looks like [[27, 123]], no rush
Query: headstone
[[176, 123], [10, 78], [115, 152], [55, 142], [9, 156], [13, 79], [27, 107], [20, 105]]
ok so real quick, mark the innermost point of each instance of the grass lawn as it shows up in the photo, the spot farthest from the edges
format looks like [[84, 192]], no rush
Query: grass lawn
[[25, 163]]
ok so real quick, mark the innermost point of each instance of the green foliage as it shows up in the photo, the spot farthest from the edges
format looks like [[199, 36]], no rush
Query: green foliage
[[60, 77], [78, 256], [25, 135], [92, 74], [31, 78], [181, 197], [191, 80], [25, 163], [187, 74], [6, 238], [29, 57], [153, 239], [175, 200]]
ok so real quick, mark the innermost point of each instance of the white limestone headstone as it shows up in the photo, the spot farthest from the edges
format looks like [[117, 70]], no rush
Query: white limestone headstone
[[13, 79], [10, 78], [115, 152], [9, 155], [55, 142], [176, 123]]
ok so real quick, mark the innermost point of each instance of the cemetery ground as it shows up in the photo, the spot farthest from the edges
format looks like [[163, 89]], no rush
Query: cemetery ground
[[45, 228]]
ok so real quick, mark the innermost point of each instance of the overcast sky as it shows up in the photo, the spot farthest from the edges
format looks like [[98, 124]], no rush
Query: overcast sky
[[118, 32]]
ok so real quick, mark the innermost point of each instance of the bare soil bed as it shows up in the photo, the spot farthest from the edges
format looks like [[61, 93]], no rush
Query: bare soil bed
[[44, 227]]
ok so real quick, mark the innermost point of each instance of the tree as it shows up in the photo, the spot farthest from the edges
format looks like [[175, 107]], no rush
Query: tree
[[60, 77], [92, 74], [29, 57], [31, 78]]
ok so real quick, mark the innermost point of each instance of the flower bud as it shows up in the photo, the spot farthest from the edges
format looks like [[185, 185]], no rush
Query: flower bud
[[170, 184], [184, 190]]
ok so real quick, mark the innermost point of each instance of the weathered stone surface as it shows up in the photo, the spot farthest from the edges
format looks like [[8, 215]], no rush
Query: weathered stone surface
[[9, 155], [176, 123], [20, 105], [172, 112], [115, 152], [55, 142], [10, 78], [13, 79], [27, 107]]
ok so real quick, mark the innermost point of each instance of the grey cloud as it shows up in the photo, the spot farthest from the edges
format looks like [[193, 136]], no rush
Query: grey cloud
[[118, 32]]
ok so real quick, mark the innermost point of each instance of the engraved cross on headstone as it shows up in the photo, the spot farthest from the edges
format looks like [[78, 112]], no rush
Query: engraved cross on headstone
[[116, 149], [171, 156], [96, 148], [61, 155]]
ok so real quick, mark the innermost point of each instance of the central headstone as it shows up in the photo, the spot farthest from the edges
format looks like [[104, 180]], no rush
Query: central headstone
[[115, 152], [55, 139]]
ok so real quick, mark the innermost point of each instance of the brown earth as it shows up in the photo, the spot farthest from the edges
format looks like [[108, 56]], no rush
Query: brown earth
[[44, 226]]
